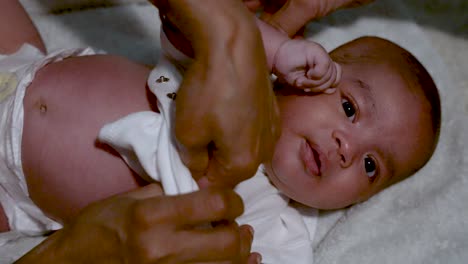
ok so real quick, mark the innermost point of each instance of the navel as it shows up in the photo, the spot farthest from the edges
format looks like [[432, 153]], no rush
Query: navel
[[43, 108], [41, 105]]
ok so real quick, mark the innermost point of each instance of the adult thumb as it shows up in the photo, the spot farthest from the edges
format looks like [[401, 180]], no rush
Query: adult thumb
[[196, 160], [289, 19]]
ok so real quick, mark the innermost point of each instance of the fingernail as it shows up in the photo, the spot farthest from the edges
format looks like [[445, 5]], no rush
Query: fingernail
[[307, 90], [259, 258], [251, 230], [330, 90], [203, 182]]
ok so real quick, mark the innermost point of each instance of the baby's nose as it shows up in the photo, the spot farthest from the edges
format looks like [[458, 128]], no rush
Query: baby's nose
[[345, 149]]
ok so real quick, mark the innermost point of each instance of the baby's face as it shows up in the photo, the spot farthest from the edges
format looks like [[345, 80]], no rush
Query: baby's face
[[339, 149]]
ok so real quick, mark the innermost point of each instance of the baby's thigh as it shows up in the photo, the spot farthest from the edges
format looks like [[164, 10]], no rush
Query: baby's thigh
[[65, 167]]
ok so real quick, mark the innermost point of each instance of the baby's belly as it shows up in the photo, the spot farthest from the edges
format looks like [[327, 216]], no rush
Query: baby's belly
[[65, 107]]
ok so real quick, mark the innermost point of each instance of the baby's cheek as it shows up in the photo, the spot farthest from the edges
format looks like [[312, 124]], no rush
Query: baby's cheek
[[356, 185], [282, 160]]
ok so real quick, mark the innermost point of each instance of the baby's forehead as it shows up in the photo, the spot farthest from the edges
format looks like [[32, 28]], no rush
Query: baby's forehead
[[381, 55], [374, 72]]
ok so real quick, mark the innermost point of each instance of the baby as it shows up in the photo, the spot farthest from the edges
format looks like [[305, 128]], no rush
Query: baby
[[379, 127], [335, 150], [48, 99], [338, 149]]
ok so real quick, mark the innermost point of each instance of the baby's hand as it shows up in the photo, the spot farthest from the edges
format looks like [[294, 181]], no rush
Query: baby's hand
[[306, 65]]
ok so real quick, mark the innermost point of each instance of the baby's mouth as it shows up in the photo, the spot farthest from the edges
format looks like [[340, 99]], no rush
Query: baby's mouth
[[311, 158]]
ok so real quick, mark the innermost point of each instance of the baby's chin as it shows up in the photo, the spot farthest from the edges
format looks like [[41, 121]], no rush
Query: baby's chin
[[279, 184], [268, 171], [273, 179]]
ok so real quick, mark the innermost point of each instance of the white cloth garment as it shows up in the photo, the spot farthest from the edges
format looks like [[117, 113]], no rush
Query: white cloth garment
[[16, 73], [283, 232]]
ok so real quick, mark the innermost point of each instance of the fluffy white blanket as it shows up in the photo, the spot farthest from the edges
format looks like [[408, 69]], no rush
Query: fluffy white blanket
[[423, 219]]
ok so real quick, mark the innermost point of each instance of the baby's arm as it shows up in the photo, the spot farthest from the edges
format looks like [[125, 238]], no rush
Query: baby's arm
[[301, 63], [16, 28]]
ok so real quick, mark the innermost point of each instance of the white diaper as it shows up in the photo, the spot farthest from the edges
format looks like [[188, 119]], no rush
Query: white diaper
[[16, 73]]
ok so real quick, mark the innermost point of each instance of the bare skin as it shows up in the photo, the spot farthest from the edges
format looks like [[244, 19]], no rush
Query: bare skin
[[45, 106], [243, 136], [42, 109], [120, 229], [290, 16], [60, 155], [143, 227], [23, 31]]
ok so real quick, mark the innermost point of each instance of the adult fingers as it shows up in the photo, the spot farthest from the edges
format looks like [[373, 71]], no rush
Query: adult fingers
[[197, 208], [225, 243], [294, 14], [290, 18], [146, 192], [253, 5], [246, 255], [254, 258], [170, 228]]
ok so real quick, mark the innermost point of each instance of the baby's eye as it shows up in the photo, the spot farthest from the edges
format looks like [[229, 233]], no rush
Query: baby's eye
[[349, 109], [370, 167]]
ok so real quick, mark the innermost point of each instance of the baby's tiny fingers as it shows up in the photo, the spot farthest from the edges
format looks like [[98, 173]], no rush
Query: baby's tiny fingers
[[319, 78], [330, 90], [338, 70], [333, 78], [307, 85], [325, 83], [326, 77], [319, 70]]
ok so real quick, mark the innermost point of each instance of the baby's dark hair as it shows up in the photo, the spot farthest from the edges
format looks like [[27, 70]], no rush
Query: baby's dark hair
[[368, 49]]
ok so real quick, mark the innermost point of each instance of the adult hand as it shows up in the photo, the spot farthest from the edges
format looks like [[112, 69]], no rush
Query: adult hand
[[227, 117], [291, 15], [144, 227]]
